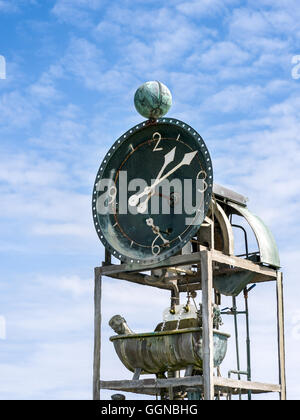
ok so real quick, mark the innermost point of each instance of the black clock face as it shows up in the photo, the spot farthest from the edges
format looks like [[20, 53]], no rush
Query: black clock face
[[152, 191]]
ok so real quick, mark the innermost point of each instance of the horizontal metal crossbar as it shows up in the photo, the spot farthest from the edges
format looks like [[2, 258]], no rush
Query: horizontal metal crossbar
[[193, 258], [153, 386]]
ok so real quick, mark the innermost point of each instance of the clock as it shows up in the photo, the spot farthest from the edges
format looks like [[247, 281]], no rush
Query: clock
[[152, 191]]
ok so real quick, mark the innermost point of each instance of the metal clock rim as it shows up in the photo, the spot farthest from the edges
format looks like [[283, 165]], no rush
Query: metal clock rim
[[118, 143]]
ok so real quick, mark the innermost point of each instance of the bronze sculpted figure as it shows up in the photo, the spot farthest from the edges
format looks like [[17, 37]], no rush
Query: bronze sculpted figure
[[119, 325]]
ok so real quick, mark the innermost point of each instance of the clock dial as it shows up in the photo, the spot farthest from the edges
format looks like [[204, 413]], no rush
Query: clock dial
[[152, 191]]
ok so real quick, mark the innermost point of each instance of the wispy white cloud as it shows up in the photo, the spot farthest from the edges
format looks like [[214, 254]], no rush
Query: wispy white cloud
[[43, 191], [44, 89], [234, 98], [14, 6], [8, 6], [16, 111], [246, 23], [69, 229], [71, 285], [205, 7], [30, 171], [78, 12], [52, 205], [223, 54]]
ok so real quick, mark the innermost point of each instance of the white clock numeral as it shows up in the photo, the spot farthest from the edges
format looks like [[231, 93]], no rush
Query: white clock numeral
[[155, 248], [112, 192], [204, 174], [156, 148], [155, 229]]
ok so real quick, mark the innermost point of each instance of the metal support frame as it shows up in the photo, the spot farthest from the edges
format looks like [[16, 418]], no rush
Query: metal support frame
[[248, 338], [97, 335], [207, 323], [233, 311], [280, 329], [209, 383]]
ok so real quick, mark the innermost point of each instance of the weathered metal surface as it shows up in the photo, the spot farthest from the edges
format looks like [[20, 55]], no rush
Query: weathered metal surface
[[119, 325], [144, 238], [226, 229], [268, 273], [158, 352], [97, 335], [233, 284], [151, 386], [152, 99], [227, 194], [280, 336], [265, 239]]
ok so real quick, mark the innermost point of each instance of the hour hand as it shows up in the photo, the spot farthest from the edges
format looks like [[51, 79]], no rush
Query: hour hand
[[169, 157]]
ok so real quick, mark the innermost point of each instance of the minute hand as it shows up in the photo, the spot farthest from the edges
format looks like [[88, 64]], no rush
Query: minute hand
[[187, 159]]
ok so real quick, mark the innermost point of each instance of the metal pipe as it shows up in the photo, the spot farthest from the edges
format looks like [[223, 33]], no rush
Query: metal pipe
[[247, 339], [249, 254], [234, 312], [246, 238], [175, 296], [237, 372], [230, 312], [236, 339]]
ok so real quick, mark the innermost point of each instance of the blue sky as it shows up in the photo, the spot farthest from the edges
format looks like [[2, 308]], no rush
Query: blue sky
[[72, 69]]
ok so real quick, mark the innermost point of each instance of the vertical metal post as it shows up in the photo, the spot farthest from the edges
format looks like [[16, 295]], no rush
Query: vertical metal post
[[280, 335], [207, 324], [234, 309], [97, 334], [248, 341], [107, 260], [175, 298]]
